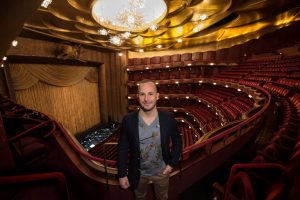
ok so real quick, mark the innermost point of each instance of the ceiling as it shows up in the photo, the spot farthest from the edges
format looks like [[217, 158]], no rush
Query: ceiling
[[227, 23]]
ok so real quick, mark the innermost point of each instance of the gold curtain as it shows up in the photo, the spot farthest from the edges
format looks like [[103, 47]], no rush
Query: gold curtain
[[68, 94], [26, 75]]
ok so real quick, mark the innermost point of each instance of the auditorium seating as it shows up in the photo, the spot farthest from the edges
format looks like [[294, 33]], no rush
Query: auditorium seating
[[188, 137], [176, 60], [166, 60], [289, 82], [155, 62], [273, 173], [277, 89]]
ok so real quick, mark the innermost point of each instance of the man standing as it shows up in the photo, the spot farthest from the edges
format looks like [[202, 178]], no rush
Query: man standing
[[145, 139]]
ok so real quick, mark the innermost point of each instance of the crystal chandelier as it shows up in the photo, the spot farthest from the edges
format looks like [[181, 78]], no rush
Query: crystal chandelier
[[128, 15]]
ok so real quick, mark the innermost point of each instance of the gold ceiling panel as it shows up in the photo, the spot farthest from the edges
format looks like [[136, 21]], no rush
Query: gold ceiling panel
[[238, 31], [247, 17], [80, 5], [37, 20], [87, 29], [156, 33], [66, 29], [218, 23], [176, 6], [287, 17], [60, 15], [99, 39], [35, 26], [63, 11], [202, 40], [182, 18], [85, 21], [178, 32], [212, 6], [206, 26], [71, 37], [257, 5], [140, 41], [58, 23]]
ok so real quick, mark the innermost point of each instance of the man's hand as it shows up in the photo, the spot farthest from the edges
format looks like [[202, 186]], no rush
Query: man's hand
[[168, 169], [124, 183]]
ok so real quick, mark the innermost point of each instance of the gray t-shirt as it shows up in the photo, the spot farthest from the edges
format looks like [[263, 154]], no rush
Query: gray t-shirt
[[150, 145]]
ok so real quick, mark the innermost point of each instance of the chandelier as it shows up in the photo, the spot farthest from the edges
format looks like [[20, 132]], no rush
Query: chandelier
[[128, 15]]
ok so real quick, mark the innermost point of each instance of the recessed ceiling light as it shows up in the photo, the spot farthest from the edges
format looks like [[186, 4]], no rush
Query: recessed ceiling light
[[14, 43], [203, 17]]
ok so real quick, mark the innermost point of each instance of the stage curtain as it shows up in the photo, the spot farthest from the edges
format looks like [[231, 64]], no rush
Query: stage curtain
[[66, 93]]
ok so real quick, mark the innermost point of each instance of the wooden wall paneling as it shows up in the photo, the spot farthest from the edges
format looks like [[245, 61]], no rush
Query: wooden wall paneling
[[118, 86], [108, 74], [124, 100], [113, 90], [103, 93]]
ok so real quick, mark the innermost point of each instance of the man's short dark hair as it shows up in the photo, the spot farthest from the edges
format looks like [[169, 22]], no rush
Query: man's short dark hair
[[146, 81]]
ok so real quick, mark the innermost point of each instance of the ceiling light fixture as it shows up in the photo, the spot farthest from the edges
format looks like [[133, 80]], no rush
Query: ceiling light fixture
[[14, 43], [153, 27], [203, 17], [125, 35], [116, 40], [197, 28], [46, 3], [128, 15], [102, 31]]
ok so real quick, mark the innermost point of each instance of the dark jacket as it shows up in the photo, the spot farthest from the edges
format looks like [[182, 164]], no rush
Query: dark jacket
[[129, 145]]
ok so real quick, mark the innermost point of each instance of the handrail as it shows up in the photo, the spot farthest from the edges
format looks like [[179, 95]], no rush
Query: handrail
[[31, 129]]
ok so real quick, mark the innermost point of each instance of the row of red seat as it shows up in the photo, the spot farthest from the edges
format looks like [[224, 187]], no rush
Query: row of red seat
[[230, 101], [171, 60], [165, 74], [188, 137], [207, 118], [274, 171], [277, 89], [289, 82]]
